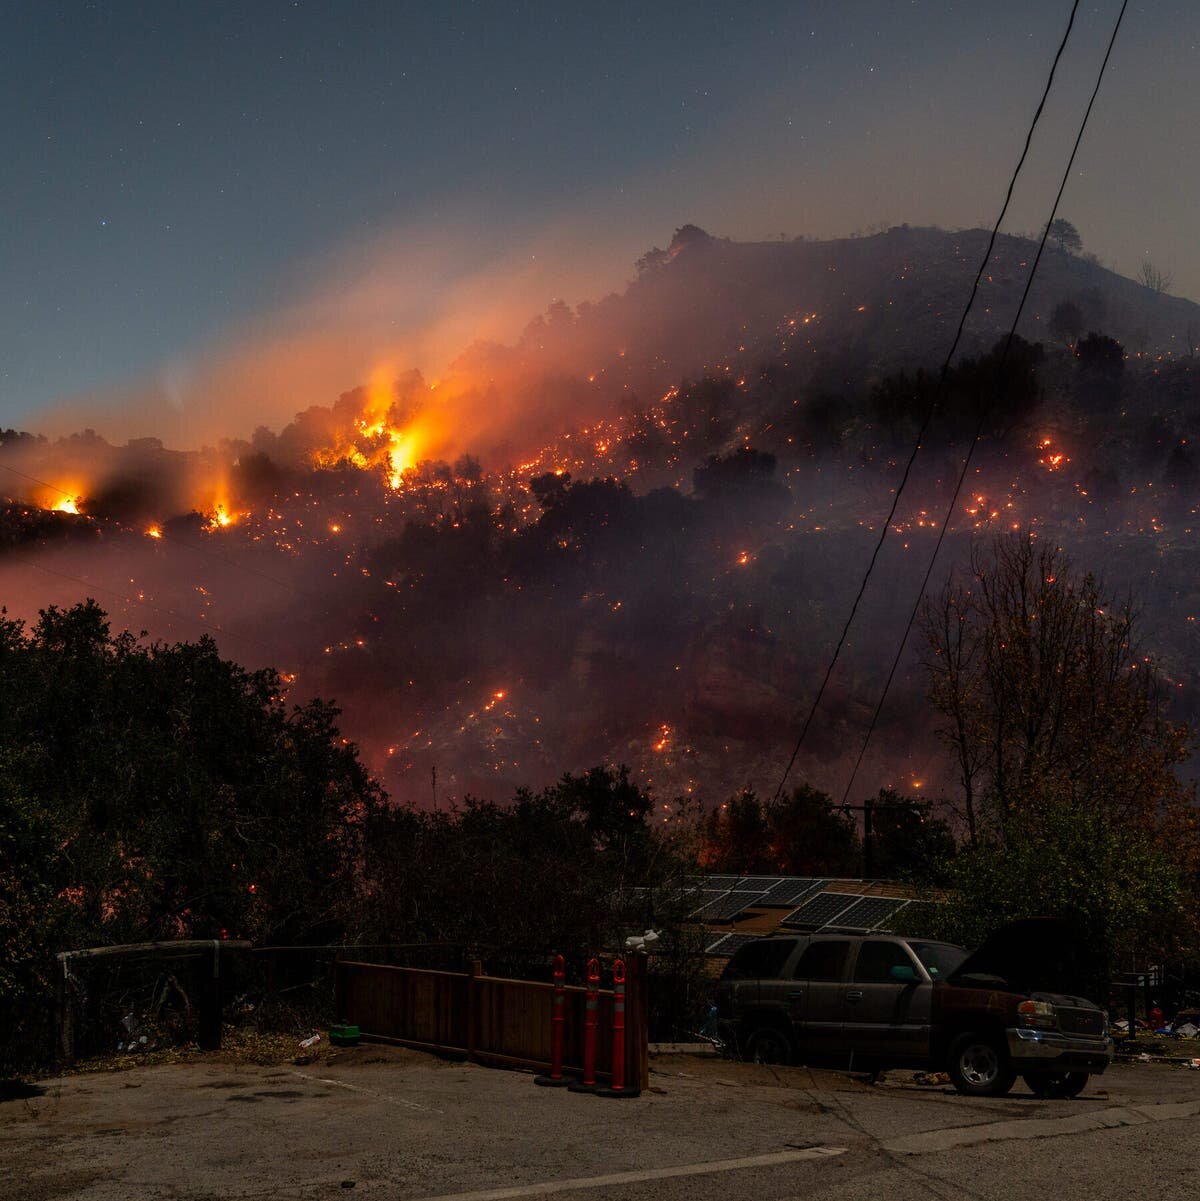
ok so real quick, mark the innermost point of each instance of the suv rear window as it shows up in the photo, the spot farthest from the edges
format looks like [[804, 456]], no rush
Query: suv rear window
[[824, 960], [759, 960]]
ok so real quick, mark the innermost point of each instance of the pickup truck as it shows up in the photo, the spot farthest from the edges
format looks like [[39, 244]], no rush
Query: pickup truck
[[873, 1002]]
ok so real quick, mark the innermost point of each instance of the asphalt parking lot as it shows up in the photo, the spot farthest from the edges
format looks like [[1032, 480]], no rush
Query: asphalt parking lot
[[387, 1123]]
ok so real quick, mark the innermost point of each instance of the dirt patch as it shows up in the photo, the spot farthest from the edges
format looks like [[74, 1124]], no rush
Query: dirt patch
[[50, 1184], [242, 1046]]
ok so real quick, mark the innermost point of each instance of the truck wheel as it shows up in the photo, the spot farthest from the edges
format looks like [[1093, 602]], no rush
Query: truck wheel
[[770, 1044], [979, 1066], [1056, 1085]]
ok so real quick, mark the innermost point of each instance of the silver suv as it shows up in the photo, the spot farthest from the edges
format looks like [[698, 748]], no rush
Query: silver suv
[[879, 1001]]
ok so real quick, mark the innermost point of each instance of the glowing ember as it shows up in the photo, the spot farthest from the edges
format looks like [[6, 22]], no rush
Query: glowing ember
[[153, 532], [1051, 459]]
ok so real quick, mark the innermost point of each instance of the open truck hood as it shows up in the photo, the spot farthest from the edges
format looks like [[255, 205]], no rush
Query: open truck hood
[[1032, 955]]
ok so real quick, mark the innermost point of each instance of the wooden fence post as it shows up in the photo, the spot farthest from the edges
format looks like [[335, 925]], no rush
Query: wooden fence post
[[474, 971], [66, 1015], [637, 1023], [208, 1035], [339, 988]]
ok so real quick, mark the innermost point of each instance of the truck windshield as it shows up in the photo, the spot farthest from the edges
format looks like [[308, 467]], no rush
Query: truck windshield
[[938, 958]]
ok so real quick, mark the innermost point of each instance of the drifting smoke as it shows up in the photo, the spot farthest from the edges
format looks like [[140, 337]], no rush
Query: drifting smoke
[[630, 531]]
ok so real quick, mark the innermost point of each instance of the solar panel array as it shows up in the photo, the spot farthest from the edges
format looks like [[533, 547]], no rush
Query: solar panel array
[[821, 909], [727, 944], [867, 913], [756, 883], [778, 891], [721, 883], [791, 892], [727, 905], [723, 898]]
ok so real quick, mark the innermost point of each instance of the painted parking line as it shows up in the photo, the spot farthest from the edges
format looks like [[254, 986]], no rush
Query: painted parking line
[[688, 1169]]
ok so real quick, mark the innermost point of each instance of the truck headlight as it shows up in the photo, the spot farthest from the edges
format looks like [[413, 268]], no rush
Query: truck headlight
[[1039, 1015]]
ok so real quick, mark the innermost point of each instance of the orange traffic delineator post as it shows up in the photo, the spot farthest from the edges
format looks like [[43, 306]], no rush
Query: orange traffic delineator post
[[590, 1021], [618, 1087], [558, 1018]]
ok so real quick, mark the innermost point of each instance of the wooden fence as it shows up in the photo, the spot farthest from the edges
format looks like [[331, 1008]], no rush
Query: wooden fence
[[489, 1018]]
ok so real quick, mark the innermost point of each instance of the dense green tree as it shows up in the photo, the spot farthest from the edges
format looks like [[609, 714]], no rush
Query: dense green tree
[[801, 834], [1067, 758], [565, 869], [1119, 890], [187, 798], [810, 837], [737, 837], [908, 841]]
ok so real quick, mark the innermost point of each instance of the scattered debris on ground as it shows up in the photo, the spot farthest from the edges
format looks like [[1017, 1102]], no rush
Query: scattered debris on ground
[[245, 1045]]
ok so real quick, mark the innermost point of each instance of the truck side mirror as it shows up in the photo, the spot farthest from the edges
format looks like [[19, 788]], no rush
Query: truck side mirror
[[904, 973]]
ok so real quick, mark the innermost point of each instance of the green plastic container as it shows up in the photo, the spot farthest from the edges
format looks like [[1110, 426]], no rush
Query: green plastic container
[[344, 1036]]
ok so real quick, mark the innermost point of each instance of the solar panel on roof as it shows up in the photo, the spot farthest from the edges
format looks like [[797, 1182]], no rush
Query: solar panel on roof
[[727, 944], [756, 883], [721, 883], [821, 909], [868, 913], [705, 896], [792, 891], [727, 906]]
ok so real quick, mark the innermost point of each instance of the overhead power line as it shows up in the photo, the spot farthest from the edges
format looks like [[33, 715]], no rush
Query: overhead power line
[[985, 409], [934, 403]]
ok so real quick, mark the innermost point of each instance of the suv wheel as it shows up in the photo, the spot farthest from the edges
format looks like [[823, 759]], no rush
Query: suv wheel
[[770, 1044], [979, 1066], [1056, 1085]]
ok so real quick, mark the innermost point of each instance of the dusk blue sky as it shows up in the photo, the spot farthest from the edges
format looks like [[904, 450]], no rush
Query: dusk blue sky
[[181, 180]]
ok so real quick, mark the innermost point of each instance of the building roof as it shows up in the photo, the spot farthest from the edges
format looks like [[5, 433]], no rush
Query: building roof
[[734, 909]]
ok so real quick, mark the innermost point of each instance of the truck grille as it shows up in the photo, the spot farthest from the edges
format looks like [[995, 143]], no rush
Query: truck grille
[[1080, 1021]]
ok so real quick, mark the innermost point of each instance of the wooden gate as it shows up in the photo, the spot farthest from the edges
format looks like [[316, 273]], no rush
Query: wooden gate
[[489, 1018]]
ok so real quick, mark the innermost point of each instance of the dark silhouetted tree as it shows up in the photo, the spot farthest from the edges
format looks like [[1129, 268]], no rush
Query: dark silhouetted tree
[[1101, 367], [1180, 472], [1154, 278], [908, 841], [1074, 759], [745, 473], [1066, 235], [1066, 322]]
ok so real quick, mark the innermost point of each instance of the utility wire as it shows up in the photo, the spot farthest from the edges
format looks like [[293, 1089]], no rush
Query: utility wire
[[935, 401], [985, 409]]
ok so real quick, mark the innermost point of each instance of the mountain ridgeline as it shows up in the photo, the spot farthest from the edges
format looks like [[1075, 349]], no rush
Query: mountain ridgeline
[[642, 523]]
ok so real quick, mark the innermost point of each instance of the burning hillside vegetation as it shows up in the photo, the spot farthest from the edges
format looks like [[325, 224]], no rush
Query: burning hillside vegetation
[[604, 543]]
